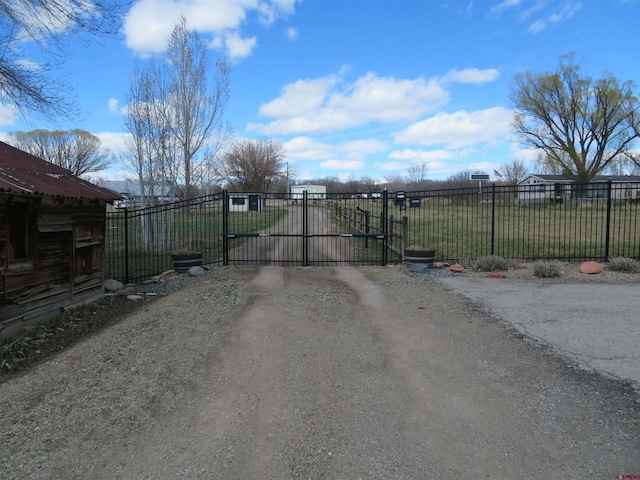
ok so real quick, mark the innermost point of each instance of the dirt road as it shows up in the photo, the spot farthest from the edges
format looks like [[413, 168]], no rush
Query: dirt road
[[283, 243], [314, 373]]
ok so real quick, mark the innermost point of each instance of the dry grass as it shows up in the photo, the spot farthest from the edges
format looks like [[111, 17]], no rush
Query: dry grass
[[623, 264], [547, 269]]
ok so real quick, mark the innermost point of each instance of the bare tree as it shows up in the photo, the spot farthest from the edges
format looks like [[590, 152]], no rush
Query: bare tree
[[514, 171], [626, 165], [191, 106], [175, 116], [251, 165], [395, 182], [75, 150], [416, 174], [152, 150], [30, 86], [580, 124]]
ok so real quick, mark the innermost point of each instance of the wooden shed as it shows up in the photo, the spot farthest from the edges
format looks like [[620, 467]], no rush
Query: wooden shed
[[52, 228]]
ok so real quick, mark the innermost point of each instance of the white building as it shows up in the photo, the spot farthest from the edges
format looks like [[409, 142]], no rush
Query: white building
[[314, 192], [246, 202], [541, 188]]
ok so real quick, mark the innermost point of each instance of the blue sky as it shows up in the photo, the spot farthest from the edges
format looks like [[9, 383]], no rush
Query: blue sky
[[358, 88]]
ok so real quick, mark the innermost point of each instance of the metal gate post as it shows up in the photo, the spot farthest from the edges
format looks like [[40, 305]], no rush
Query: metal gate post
[[607, 240], [305, 229], [385, 228], [493, 218], [225, 227], [126, 245]]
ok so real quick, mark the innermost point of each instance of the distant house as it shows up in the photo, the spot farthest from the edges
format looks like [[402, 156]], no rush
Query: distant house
[[246, 202], [52, 227], [131, 193], [540, 188], [314, 192]]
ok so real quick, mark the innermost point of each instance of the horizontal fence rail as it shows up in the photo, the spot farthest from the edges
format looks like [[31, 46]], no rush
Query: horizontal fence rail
[[567, 222]]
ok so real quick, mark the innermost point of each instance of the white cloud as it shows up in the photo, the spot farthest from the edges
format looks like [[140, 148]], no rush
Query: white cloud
[[459, 129], [433, 159], [565, 13], [113, 105], [537, 26], [114, 142], [342, 165], [393, 166], [503, 6], [421, 156], [530, 11], [291, 33], [149, 23], [471, 75], [329, 103], [238, 47], [305, 148], [8, 115]]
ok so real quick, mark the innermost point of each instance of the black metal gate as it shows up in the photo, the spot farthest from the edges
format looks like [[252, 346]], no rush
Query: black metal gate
[[305, 229]]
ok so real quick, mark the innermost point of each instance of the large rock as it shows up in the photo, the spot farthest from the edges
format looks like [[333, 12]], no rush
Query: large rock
[[496, 275], [111, 285], [196, 271], [590, 268], [456, 267]]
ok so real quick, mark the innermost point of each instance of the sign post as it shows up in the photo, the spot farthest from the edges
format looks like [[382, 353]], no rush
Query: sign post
[[480, 177]]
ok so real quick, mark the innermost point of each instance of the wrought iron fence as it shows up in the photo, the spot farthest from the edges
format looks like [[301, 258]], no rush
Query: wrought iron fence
[[564, 222], [531, 222], [139, 243]]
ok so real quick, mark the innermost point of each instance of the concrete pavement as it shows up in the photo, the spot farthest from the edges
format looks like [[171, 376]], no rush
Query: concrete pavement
[[595, 325]]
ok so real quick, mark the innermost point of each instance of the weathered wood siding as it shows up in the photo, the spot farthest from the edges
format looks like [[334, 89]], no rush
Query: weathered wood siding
[[64, 261]]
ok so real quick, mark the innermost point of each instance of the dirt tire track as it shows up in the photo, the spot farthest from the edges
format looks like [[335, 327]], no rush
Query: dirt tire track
[[322, 373]]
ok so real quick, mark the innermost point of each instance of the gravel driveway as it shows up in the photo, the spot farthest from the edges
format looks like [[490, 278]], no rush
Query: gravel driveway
[[314, 373]]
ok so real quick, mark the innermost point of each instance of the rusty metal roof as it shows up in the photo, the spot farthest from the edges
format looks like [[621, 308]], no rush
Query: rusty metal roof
[[21, 172]]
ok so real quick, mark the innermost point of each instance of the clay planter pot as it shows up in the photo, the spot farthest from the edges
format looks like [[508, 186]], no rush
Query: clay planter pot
[[183, 262], [420, 256]]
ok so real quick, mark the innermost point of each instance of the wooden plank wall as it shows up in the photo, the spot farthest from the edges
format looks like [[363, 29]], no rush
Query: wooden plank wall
[[65, 264]]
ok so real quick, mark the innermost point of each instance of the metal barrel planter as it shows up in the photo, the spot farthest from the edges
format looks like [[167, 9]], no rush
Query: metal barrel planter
[[183, 262], [422, 257]]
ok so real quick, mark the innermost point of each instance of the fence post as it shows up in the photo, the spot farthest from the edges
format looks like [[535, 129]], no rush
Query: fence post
[[405, 234], [305, 230], [366, 228], [126, 245], [384, 223], [608, 231], [225, 227], [493, 217]]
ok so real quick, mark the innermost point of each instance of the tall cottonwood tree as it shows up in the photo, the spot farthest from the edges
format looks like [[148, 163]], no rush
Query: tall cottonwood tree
[[152, 151], [580, 124], [27, 86], [76, 150], [192, 100], [175, 114], [251, 165]]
